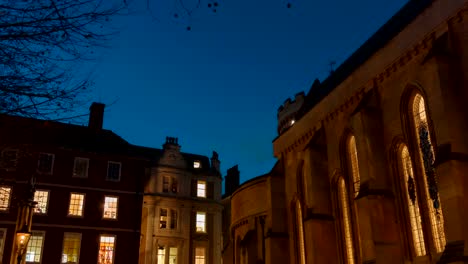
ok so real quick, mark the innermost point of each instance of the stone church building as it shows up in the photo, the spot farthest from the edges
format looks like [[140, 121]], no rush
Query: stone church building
[[374, 158]]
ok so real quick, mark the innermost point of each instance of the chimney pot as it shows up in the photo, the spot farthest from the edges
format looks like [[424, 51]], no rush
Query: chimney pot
[[96, 115]]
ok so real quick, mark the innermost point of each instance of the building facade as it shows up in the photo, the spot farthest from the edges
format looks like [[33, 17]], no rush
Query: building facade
[[376, 159], [103, 200], [181, 221], [87, 191]]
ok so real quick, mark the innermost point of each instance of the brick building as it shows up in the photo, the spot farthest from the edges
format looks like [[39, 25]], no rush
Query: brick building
[[91, 186]]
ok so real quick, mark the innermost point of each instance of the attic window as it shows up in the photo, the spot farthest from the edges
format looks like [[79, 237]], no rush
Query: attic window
[[196, 164], [292, 122]]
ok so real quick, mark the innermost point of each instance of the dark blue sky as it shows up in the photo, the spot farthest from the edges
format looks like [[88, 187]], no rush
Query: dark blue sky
[[218, 86]]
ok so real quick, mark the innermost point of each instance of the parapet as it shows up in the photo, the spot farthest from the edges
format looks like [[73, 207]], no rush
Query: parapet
[[287, 111]]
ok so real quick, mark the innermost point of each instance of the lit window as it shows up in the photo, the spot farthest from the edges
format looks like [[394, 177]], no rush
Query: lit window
[[200, 255], [76, 204], [426, 161], [201, 188], [41, 197], [161, 254], [201, 222], [45, 163], [5, 195], [34, 250], [172, 255], [80, 169], [106, 249], [9, 158], [2, 241], [353, 160], [113, 171], [110, 207], [346, 218], [300, 231], [163, 218], [197, 164], [292, 122], [71, 248], [413, 205]]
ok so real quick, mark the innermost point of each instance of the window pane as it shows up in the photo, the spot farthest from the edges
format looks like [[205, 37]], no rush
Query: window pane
[[165, 184], [76, 204], [172, 255], [201, 222], [2, 241], [413, 206], [174, 185], [106, 250], [173, 219], [34, 250], [80, 170], [9, 159], [201, 188], [110, 207], [5, 195], [42, 198], [161, 254], [113, 171], [196, 164], [163, 218], [347, 230], [426, 161], [353, 160], [45, 163], [71, 248], [200, 255]]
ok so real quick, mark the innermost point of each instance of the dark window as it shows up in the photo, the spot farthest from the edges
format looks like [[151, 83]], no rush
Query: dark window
[[45, 163], [173, 219], [9, 158], [113, 171], [174, 185], [80, 170], [163, 218]]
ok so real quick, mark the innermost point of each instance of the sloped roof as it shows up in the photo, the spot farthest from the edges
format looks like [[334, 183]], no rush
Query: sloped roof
[[385, 34]]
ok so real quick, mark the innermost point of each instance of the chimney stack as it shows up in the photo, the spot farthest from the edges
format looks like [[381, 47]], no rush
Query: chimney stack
[[96, 116], [232, 180], [215, 163]]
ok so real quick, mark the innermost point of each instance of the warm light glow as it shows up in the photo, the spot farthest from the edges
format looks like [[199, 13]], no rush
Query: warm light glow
[[196, 164], [436, 216], [201, 189], [353, 160], [200, 255], [5, 194], [76, 204], [110, 207], [34, 250], [347, 229], [292, 122], [300, 231], [71, 248], [106, 250], [413, 209], [201, 222], [42, 198]]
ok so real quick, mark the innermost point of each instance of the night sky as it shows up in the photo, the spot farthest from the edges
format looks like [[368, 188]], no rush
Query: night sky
[[219, 85]]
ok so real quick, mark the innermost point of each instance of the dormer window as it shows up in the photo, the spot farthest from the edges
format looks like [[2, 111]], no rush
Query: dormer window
[[197, 164], [292, 122]]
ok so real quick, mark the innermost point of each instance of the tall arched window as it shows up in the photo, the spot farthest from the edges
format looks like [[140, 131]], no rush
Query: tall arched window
[[413, 203], [346, 220], [300, 232], [353, 163], [426, 160]]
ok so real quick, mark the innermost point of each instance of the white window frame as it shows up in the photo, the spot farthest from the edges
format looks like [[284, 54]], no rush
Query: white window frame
[[204, 222], [82, 208], [10, 189], [201, 192], [35, 233], [75, 175], [169, 218], [113, 246], [116, 208], [79, 246], [46, 202], [51, 165], [120, 171]]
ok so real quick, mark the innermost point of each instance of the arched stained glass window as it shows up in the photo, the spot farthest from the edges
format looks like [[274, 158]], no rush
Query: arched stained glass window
[[346, 220], [354, 165], [413, 203], [300, 232], [426, 158]]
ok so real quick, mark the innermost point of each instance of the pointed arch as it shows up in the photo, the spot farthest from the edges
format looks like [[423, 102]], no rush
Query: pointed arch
[[352, 155], [346, 223], [418, 131]]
